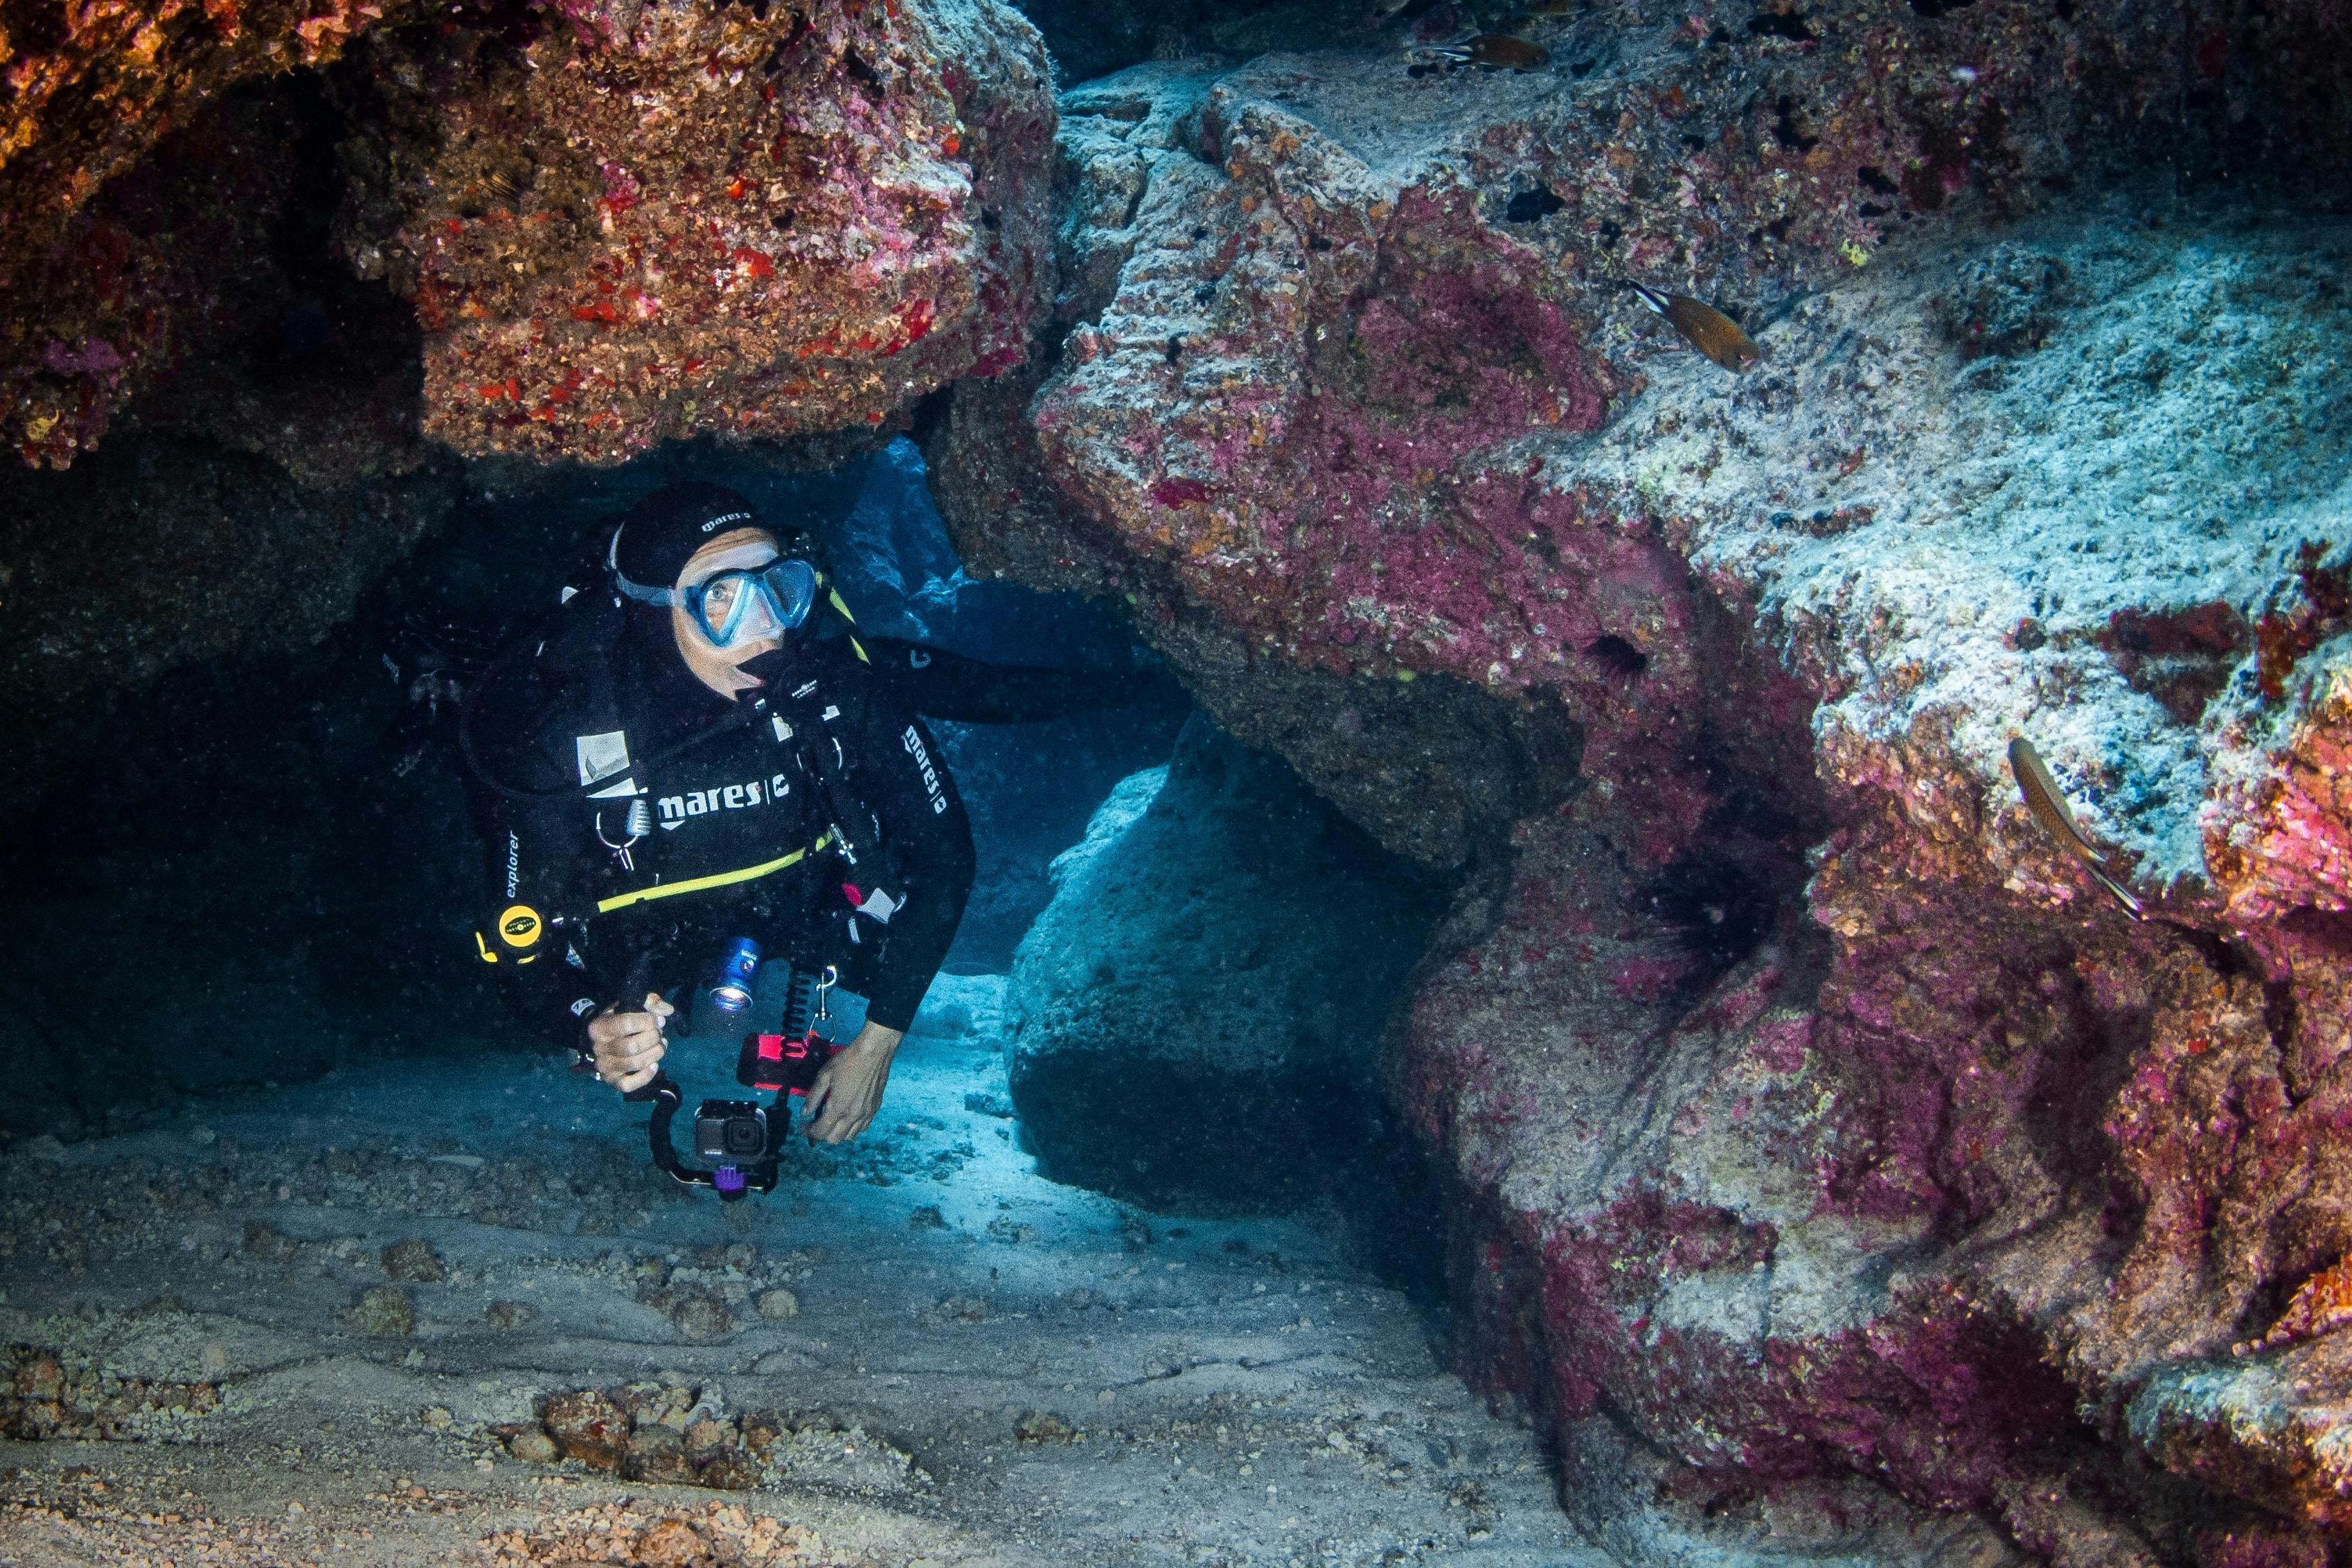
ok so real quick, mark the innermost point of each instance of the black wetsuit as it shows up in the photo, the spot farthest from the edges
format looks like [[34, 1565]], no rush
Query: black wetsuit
[[813, 816]]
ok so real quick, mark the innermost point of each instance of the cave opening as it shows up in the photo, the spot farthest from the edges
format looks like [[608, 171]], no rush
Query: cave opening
[[266, 1098]]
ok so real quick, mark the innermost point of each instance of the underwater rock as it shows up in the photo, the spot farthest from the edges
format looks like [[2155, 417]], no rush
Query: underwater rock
[[47, 1395], [656, 1454], [1203, 1000], [1632, 1503], [701, 1318], [147, 190], [162, 552], [415, 1262], [533, 1447], [508, 1315], [654, 221], [1967, 1180], [588, 1427], [1946, 1171], [1313, 363], [901, 577]]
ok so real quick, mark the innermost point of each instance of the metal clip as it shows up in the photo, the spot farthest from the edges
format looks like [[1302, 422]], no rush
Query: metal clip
[[639, 812]]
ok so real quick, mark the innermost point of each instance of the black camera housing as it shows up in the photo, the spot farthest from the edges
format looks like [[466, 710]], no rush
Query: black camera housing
[[734, 1132]]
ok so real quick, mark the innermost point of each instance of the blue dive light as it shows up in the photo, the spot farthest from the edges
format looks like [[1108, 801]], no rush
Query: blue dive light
[[730, 992]]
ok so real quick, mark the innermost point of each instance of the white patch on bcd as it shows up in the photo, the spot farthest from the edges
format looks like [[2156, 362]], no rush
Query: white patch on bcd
[[601, 756]]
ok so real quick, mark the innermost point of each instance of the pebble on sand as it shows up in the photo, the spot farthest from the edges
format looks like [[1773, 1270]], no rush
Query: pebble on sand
[[386, 1312]]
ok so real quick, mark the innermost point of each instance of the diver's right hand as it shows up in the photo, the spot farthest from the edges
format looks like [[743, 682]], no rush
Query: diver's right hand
[[628, 1047]]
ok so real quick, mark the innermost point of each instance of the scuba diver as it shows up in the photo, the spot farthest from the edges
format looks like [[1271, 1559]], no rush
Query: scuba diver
[[700, 755]]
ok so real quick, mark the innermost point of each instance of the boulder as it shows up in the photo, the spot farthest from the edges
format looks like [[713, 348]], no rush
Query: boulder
[[154, 154], [1200, 1006], [1028, 787], [1324, 314]]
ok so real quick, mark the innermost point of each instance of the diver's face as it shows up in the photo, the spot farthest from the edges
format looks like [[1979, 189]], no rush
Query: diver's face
[[716, 667]]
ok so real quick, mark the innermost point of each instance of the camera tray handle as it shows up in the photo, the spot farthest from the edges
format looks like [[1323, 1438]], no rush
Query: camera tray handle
[[730, 1182]]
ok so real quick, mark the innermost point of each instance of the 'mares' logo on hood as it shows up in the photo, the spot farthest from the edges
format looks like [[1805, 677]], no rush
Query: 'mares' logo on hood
[[676, 808]]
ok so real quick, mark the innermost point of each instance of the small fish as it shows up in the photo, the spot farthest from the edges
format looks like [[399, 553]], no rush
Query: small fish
[[1706, 329], [2049, 809], [1499, 50]]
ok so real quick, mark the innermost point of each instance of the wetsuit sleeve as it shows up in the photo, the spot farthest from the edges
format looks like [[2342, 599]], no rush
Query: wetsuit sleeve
[[927, 858], [938, 684]]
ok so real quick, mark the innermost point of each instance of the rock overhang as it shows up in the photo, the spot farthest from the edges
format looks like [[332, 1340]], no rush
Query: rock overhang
[[615, 225]]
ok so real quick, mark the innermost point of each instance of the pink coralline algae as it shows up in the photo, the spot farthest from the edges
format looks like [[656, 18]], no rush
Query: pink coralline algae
[[1806, 1113], [2279, 837], [94, 357], [1325, 396], [668, 219]]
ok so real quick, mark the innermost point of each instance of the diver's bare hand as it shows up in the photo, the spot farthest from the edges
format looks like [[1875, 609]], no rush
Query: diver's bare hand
[[848, 1089], [628, 1047]]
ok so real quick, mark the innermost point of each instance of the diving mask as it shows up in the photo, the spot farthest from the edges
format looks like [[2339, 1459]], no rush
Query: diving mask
[[742, 605], [739, 607]]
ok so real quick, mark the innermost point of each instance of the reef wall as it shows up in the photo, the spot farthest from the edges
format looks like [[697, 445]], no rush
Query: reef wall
[[1811, 1113]]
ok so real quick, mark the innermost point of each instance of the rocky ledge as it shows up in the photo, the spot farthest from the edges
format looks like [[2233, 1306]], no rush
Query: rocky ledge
[[1812, 1113]]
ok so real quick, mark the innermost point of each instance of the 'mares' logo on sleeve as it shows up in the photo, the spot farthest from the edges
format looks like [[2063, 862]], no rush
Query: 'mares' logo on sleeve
[[676, 808], [914, 745]]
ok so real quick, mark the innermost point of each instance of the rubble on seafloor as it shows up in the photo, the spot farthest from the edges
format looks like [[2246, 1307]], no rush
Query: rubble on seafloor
[[1042, 1374]]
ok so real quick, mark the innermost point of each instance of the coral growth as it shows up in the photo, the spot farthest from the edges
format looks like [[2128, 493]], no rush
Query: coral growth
[[655, 221]]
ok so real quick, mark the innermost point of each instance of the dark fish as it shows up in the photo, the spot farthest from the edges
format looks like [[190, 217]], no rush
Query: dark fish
[[1501, 51], [1706, 329], [2049, 809]]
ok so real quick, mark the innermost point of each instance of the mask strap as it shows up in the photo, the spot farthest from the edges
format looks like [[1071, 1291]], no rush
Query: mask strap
[[637, 591]]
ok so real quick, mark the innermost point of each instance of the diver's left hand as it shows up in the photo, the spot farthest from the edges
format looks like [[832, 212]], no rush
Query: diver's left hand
[[848, 1090]]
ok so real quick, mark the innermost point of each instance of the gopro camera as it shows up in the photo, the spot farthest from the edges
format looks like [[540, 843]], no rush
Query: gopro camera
[[733, 1131], [739, 1138]]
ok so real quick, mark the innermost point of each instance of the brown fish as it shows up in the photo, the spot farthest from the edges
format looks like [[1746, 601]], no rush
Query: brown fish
[[1501, 51], [1706, 329], [2049, 809]]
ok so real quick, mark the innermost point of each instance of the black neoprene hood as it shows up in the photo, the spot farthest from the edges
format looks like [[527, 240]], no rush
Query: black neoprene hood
[[662, 533]]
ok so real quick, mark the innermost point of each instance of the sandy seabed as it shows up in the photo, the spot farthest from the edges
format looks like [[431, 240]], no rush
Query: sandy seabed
[[227, 1345]]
